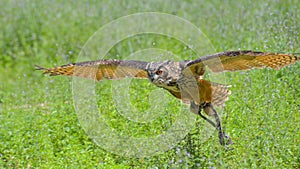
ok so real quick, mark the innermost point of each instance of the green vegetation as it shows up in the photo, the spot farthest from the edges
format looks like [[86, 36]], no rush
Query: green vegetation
[[39, 127]]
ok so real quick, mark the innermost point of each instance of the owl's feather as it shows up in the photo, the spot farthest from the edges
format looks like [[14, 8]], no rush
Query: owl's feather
[[101, 69], [241, 60]]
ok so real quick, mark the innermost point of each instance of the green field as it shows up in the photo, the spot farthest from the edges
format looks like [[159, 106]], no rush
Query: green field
[[39, 127]]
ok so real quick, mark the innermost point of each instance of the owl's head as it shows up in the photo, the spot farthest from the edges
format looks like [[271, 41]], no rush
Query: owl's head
[[163, 74]]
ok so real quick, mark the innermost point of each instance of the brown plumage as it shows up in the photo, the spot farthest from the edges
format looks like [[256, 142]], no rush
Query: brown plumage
[[182, 79], [101, 69], [242, 60]]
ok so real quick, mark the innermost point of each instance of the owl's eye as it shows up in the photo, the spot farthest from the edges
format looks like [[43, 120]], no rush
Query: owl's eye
[[159, 72]]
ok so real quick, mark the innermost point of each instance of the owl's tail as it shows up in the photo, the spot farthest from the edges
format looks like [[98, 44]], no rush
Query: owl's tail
[[220, 94], [214, 93]]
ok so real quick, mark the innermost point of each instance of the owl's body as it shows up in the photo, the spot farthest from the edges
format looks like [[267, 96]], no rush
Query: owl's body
[[185, 85], [184, 80]]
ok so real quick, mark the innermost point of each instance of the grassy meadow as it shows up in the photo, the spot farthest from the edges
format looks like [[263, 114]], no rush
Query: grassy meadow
[[39, 127]]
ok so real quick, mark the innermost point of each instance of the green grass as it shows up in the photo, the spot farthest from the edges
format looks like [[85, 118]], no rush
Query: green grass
[[39, 127]]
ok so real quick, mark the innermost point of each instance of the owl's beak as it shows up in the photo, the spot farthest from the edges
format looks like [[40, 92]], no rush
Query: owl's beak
[[151, 79]]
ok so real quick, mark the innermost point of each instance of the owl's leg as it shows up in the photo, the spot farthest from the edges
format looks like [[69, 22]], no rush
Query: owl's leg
[[224, 139], [209, 107]]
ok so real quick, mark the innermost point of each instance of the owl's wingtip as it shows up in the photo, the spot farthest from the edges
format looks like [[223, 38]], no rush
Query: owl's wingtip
[[45, 70], [297, 55], [37, 67]]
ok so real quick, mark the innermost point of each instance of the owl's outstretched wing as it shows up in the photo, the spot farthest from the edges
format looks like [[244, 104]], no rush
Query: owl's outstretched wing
[[100, 69], [240, 60]]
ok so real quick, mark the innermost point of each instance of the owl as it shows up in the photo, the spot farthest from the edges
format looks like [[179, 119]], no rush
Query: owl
[[184, 79]]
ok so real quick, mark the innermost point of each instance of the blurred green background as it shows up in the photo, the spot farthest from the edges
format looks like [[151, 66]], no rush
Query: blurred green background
[[38, 124]]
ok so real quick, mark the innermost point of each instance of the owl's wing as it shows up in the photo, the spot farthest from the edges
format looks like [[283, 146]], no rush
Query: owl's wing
[[100, 69], [240, 60]]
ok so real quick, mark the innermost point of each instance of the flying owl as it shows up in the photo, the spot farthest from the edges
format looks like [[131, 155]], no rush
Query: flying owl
[[184, 80]]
